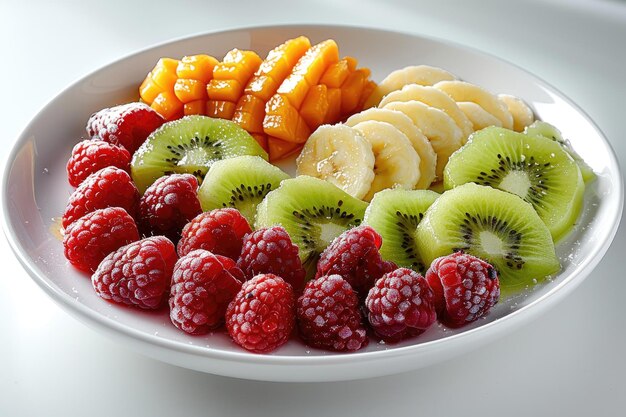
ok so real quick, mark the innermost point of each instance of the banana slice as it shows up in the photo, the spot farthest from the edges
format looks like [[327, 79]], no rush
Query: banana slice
[[397, 163], [416, 74], [434, 98], [444, 135], [462, 91], [479, 117], [421, 144], [341, 156], [522, 114]]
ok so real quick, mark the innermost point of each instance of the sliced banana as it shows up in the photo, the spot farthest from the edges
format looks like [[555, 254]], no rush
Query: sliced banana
[[421, 144], [463, 91], [444, 135], [434, 98], [415, 74], [396, 162], [341, 156], [479, 117], [522, 114]]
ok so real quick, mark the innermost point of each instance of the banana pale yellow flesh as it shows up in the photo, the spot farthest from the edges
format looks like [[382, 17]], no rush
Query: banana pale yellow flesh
[[421, 144], [522, 114], [340, 155], [463, 91], [432, 97], [444, 135], [396, 162], [415, 74], [479, 117]]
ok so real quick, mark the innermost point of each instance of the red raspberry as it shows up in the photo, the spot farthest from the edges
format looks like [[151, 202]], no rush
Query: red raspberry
[[270, 251], [92, 237], [262, 315], [202, 286], [90, 156], [168, 205], [354, 255], [329, 316], [400, 305], [127, 125], [220, 231], [137, 274], [109, 187], [465, 288]]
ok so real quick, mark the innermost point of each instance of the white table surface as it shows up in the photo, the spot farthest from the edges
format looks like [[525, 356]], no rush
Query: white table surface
[[570, 362]]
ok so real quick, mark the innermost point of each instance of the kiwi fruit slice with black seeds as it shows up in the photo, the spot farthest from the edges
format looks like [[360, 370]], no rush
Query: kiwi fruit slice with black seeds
[[240, 182], [395, 214], [534, 167], [190, 145], [549, 131], [313, 211], [493, 225]]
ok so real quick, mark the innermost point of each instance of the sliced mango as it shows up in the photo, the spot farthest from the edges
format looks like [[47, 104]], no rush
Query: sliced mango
[[168, 106], [315, 106], [196, 67], [220, 109], [194, 107], [279, 149], [187, 90], [351, 90]]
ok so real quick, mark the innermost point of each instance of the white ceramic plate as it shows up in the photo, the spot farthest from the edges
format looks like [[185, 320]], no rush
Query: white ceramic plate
[[35, 192]]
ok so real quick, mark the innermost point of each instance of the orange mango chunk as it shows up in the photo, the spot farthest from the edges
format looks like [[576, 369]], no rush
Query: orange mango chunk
[[308, 71], [279, 149], [281, 60], [336, 74], [333, 114], [228, 90], [164, 73], [315, 106], [194, 107], [249, 113], [188, 90], [148, 90], [369, 88], [167, 105], [351, 90], [237, 65], [262, 86], [283, 121], [196, 67], [220, 109]]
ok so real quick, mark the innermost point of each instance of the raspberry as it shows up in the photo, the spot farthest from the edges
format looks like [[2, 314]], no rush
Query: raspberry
[[92, 237], [202, 286], [465, 288], [168, 205], [400, 305], [354, 255], [329, 317], [270, 251], [262, 315], [127, 125], [90, 156], [109, 187], [137, 274], [220, 231]]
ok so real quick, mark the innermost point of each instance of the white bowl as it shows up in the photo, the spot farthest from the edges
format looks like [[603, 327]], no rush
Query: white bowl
[[35, 191]]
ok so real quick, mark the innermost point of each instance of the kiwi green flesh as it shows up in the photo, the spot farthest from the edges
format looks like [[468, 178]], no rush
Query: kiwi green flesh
[[493, 225], [190, 145], [395, 214], [240, 182], [533, 167], [312, 211], [540, 128]]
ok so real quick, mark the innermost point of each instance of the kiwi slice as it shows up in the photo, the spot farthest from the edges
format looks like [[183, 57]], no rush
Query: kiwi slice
[[494, 225], [549, 131], [535, 168], [313, 211], [240, 182], [395, 214], [190, 145]]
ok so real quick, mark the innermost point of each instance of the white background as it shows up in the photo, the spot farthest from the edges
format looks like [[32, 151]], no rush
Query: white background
[[570, 362]]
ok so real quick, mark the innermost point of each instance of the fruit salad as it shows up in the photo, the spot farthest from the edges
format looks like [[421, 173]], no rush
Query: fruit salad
[[423, 198]]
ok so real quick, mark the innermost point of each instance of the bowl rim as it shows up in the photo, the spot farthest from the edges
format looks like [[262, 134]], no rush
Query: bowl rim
[[242, 356]]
